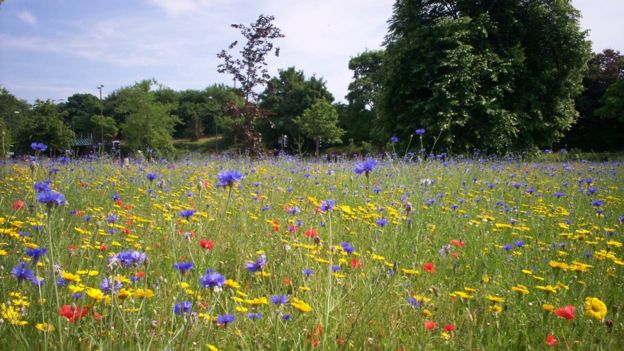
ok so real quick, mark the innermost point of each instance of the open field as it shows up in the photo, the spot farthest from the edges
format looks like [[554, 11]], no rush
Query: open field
[[290, 254]]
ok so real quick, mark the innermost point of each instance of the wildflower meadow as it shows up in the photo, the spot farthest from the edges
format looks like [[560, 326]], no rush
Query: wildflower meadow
[[288, 254]]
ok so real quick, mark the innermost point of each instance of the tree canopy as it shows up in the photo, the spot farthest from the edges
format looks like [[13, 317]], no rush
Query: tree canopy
[[490, 75]]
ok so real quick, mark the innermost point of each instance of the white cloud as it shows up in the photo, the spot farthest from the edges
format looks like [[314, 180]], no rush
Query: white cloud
[[27, 18]]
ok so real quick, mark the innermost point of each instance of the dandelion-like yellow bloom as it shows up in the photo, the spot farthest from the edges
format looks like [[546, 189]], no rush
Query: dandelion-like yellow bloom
[[12, 315], [300, 305], [95, 294], [45, 327], [595, 308]]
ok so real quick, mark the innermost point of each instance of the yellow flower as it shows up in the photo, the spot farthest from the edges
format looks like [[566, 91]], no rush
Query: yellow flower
[[212, 348], [300, 305], [45, 327], [95, 294], [124, 293], [11, 315], [497, 309], [595, 308], [520, 289], [232, 284], [548, 307], [495, 299]]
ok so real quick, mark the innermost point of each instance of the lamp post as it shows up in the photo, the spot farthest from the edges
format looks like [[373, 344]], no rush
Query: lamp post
[[101, 120], [214, 119]]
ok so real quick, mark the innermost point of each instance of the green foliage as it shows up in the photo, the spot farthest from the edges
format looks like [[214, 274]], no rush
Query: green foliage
[[148, 123], [613, 102], [487, 75], [12, 110], [591, 132], [358, 118], [44, 124], [285, 98], [320, 123], [82, 113]]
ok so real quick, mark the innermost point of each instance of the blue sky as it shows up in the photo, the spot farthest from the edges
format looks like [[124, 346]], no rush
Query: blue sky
[[51, 49]]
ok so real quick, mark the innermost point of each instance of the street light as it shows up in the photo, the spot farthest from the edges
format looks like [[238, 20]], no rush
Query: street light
[[101, 119]]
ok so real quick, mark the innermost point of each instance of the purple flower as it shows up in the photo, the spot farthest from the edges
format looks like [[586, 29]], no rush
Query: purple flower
[[598, 203], [286, 316], [21, 272], [225, 319], [394, 139], [51, 198], [254, 316], [38, 146], [413, 302], [42, 187], [279, 299], [420, 131], [347, 247], [35, 254], [229, 177], [112, 218], [366, 167], [183, 267], [256, 265], [186, 214], [151, 176], [382, 222], [127, 258], [107, 286], [327, 205], [212, 280], [307, 272], [182, 307]]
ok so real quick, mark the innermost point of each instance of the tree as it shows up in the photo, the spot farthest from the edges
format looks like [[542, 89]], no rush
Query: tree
[[12, 111], [490, 75], [82, 114], [251, 72], [359, 117], [148, 123], [613, 104], [285, 98], [320, 123], [590, 132], [44, 124]]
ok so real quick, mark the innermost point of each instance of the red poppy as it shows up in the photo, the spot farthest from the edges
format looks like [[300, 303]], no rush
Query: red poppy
[[103, 247], [140, 274], [551, 341], [311, 233], [286, 281], [119, 203], [97, 316], [206, 244], [457, 243], [73, 314], [429, 267], [18, 205], [276, 226], [566, 312], [449, 327], [429, 325], [355, 263]]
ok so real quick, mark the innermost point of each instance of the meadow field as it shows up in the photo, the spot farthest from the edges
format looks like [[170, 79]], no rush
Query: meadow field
[[289, 254]]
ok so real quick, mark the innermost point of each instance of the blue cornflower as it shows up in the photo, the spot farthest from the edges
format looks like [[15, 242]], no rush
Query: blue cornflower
[[279, 299], [51, 198], [420, 131], [394, 139], [212, 280], [38, 146], [347, 247], [116, 197], [127, 258], [327, 205], [42, 187], [559, 194], [366, 167], [254, 316], [64, 160], [183, 267], [413, 302], [286, 317], [335, 268], [293, 210], [256, 265], [108, 285], [182, 307], [112, 218], [307, 272], [151, 176], [507, 247], [225, 319], [187, 213], [229, 177], [35, 254], [519, 243], [382, 222], [598, 203], [21, 272]]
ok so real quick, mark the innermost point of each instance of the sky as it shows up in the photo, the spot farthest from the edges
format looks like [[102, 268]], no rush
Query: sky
[[52, 49]]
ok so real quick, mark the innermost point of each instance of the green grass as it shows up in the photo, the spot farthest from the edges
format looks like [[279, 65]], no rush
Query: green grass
[[462, 215]]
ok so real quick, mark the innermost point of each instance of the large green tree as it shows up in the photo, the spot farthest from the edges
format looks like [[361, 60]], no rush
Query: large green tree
[[591, 132], [493, 75], [83, 114], [359, 117], [148, 124], [12, 111], [286, 97], [319, 123], [44, 124]]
